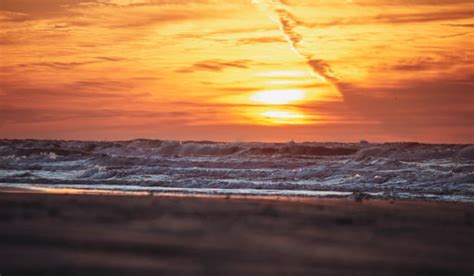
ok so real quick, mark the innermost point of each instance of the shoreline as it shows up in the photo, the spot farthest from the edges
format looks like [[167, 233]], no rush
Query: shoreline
[[222, 193], [265, 199]]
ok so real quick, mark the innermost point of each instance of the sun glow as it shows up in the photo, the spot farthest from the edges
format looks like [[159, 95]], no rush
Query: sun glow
[[293, 74], [278, 97], [283, 117]]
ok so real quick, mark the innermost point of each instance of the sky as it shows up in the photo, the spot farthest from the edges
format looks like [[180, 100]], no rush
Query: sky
[[256, 70]]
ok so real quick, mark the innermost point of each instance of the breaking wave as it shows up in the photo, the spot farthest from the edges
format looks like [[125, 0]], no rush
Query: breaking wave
[[291, 168]]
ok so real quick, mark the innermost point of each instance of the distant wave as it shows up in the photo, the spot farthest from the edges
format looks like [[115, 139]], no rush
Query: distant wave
[[169, 148]]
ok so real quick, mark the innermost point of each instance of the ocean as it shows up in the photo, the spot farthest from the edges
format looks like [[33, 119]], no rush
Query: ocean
[[388, 170]]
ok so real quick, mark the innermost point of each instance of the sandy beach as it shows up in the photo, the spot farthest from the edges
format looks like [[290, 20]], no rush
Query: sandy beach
[[54, 234]]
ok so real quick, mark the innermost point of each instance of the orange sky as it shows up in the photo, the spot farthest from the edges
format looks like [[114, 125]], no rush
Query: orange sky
[[261, 70]]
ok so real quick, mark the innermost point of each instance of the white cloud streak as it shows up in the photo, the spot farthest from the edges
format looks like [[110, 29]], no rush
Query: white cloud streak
[[287, 22]]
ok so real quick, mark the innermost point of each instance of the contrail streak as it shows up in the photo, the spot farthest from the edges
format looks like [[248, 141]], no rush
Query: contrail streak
[[288, 23]]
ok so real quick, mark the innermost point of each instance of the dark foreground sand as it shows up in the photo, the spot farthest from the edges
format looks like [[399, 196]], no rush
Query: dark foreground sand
[[47, 234]]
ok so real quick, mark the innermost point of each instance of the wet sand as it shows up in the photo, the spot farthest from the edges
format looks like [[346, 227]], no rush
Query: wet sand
[[57, 234]]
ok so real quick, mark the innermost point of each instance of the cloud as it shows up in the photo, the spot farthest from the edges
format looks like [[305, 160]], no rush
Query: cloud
[[288, 24], [462, 25], [54, 65], [404, 3], [62, 65], [28, 10], [133, 13], [393, 18], [263, 39], [111, 58], [215, 66], [415, 105], [13, 115], [379, 3], [70, 93]]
